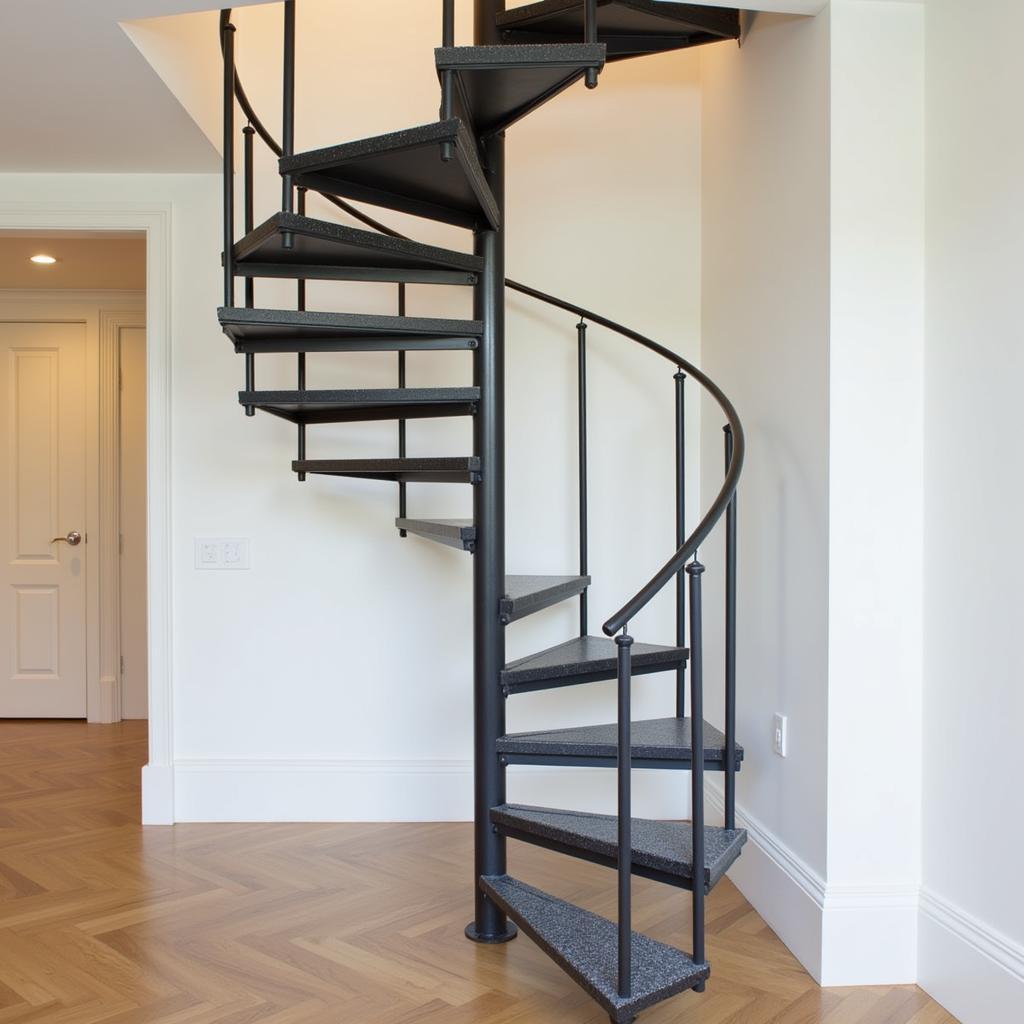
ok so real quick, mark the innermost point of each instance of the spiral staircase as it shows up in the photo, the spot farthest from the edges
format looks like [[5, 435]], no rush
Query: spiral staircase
[[452, 171]]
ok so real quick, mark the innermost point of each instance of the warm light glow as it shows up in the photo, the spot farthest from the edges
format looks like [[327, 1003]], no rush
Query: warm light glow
[[43, 258]]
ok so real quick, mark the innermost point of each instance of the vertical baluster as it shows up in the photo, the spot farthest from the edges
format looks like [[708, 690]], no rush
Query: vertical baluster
[[680, 379], [730, 646], [695, 569], [590, 36], [288, 110], [248, 133], [402, 498], [581, 350], [228, 43], [300, 302], [625, 865], [448, 77]]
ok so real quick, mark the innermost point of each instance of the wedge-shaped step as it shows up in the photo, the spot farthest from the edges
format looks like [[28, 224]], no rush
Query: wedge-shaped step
[[404, 171], [498, 85], [456, 533], [629, 28], [662, 850], [322, 250], [289, 330], [456, 471], [584, 659], [525, 595], [656, 743], [376, 404], [585, 946]]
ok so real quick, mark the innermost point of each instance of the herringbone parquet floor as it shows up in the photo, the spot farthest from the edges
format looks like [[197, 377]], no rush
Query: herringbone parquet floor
[[102, 922]]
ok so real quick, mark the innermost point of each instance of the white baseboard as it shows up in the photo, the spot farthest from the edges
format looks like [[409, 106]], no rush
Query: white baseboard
[[843, 935], [395, 790], [158, 795], [972, 970]]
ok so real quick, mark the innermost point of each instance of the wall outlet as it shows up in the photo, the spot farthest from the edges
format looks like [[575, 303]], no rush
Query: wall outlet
[[222, 552], [780, 734]]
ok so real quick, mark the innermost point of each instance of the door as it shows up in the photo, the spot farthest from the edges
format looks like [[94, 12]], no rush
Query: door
[[42, 520], [134, 668]]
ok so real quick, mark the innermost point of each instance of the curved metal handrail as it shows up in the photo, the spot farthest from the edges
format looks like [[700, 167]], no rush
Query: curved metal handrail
[[717, 509]]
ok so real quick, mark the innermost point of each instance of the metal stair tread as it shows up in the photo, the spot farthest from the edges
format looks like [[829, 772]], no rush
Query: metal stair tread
[[290, 330], [456, 533], [363, 404], [330, 250], [439, 470], [660, 849], [525, 595], [652, 740], [584, 659], [501, 84], [628, 27], [585, 946], [403, 171]]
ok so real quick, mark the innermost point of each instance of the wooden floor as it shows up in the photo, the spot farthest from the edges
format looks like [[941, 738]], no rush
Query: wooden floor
[[103, 921]]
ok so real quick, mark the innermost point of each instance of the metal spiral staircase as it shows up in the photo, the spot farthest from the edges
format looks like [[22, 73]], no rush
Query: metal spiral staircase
[[452, 171]]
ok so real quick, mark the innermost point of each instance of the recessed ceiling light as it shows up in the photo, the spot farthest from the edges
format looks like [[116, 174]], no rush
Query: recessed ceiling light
[[43, 259]]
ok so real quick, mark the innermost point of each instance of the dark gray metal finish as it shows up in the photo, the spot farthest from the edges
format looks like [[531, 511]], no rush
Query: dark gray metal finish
[[463, 470], [456, 533], [328, 251], [403, 171], [658, 739], [359, 405], [286, 330], [583, 659], [525, 595], [498, 85], [584, 945], [661, 849], [629, 28]]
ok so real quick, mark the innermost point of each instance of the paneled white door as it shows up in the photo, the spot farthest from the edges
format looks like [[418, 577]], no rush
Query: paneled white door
[[42, 498]]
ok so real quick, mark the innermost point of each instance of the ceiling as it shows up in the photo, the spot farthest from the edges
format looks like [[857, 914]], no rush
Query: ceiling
[[89, 260], [78, 95]]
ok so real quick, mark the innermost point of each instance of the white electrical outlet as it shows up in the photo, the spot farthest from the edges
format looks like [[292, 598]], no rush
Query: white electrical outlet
[[780, 734], [222, 552]]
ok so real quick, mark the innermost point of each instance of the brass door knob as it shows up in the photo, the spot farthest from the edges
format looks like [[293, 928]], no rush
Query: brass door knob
[[73, 538]]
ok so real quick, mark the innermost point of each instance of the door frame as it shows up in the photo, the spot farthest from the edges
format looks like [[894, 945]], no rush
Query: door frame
[[154, 219]]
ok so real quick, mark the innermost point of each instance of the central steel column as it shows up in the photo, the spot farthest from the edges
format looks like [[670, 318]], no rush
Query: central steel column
[[489, 923]]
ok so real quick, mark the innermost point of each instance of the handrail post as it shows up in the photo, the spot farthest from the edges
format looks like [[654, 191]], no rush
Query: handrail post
[[301, 359], [228, 46], [625, 823], [447, 78], [402, 505], [590, 36], [581, 353], [695, 569], [730, 645], [288, 111], [680, 379], [248, 132]]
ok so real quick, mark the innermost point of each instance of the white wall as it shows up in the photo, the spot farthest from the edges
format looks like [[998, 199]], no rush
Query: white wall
[[333, 679], [972, 908], [765, 340]]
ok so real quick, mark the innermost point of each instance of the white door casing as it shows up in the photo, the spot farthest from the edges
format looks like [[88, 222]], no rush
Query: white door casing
[[42, 497]]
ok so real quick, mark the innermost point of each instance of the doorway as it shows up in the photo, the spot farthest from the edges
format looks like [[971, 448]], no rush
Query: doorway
[[73, 496]]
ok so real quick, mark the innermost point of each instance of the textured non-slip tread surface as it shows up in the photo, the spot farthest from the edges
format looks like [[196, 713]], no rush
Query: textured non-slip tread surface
[[525, 595], [325, 244], [628, 27], [655, 739], [456, 533], [585, 946], [663, 847], [500, 84], [439, 470], [363, 404], [585, 659], [404, 171]]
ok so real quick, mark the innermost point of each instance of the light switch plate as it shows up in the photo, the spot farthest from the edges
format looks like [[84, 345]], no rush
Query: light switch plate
[[222, 552], [780, 734]]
